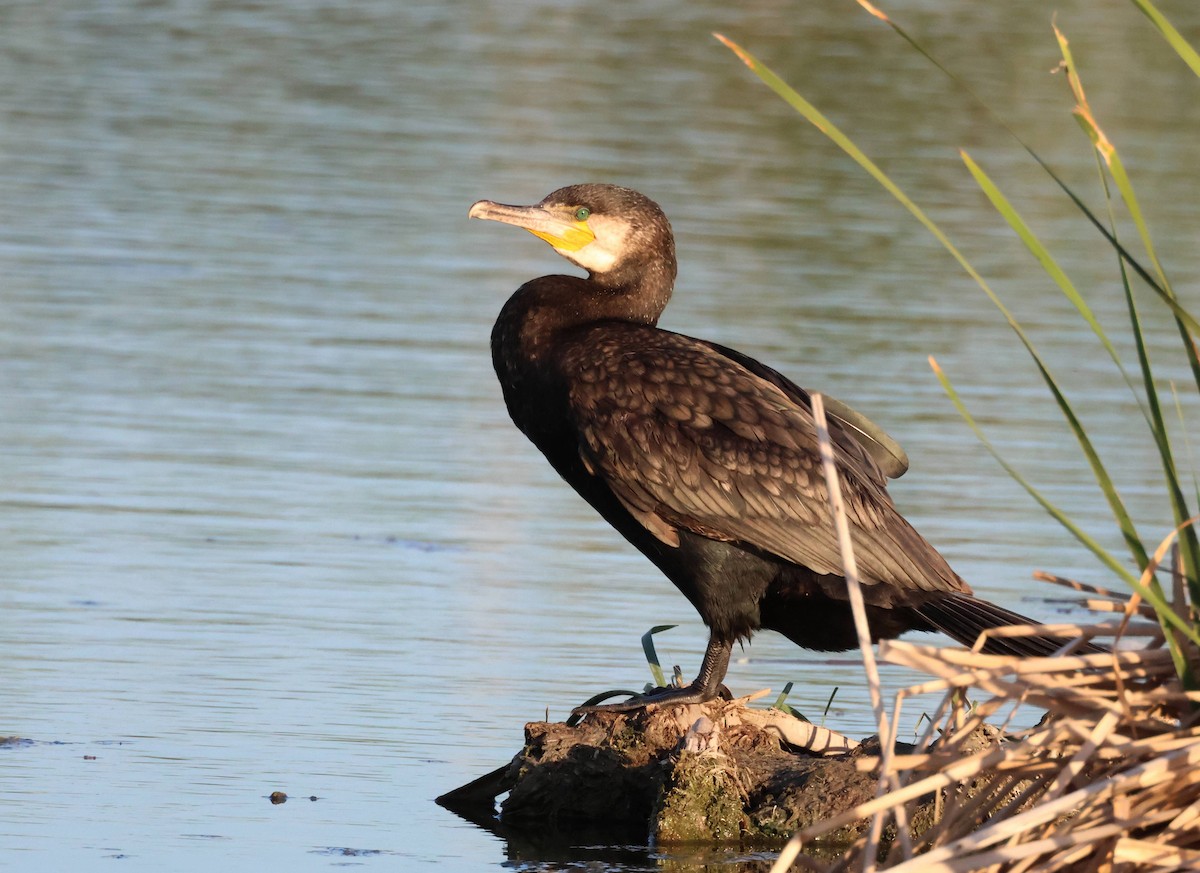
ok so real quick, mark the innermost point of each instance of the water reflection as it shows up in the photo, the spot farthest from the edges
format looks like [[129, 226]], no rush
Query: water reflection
[[267, 526]]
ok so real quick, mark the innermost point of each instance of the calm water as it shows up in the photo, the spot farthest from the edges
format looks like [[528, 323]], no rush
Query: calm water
[[265, 523]]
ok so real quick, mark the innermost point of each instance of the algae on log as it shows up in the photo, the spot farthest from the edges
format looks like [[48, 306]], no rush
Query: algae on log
[[716, 773]]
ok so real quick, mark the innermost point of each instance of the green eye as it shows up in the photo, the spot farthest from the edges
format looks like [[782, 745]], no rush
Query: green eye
[[582, 213]]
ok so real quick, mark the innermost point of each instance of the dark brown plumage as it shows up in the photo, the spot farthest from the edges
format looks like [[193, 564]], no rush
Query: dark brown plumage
[[705, 459]]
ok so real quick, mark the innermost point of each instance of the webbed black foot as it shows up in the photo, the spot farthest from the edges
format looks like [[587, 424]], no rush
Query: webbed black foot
[[706, 687], [672, 696]]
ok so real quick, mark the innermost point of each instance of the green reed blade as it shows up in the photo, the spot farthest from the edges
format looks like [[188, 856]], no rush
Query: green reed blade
[[1189, 541], [1152, 594], [656, 670], [1049, 264], [827, 127], [1145, 275], [1173, 37]]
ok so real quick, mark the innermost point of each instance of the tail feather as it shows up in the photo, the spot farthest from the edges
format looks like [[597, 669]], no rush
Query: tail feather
[[963, 618]]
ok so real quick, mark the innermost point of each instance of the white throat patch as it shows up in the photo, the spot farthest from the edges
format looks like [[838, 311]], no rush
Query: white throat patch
[[605, 250]]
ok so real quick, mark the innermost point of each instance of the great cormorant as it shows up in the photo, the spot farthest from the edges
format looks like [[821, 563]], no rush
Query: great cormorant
[[705, 459]]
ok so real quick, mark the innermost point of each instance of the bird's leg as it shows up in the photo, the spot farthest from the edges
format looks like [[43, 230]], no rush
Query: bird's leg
[[713, 669], [706, 686]]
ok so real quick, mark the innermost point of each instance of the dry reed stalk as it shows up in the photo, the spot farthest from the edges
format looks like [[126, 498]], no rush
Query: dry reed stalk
[[1129, 850], [1109, 780], [1078, 586], [858, 608], [1110, 606]]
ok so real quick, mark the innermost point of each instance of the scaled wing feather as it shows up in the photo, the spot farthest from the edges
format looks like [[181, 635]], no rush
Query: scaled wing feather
[[689, 438]]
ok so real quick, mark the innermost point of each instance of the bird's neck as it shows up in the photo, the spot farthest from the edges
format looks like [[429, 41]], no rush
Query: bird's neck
[[637, 293], [542, 310], [543, 314]]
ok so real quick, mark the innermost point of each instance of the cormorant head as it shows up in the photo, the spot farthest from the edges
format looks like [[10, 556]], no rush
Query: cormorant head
[[619, 236]]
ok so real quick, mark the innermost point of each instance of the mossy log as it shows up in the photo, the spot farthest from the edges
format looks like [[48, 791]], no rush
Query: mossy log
[[719, 773]]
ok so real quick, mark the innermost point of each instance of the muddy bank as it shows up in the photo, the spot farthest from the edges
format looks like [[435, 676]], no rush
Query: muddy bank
[[719, 773]]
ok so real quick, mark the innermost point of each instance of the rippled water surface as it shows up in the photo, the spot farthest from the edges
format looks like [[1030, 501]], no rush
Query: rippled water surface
[[266, 526]]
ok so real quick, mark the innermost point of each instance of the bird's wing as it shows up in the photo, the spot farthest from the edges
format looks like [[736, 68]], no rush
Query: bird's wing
[[688, 438], [856, 434]]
